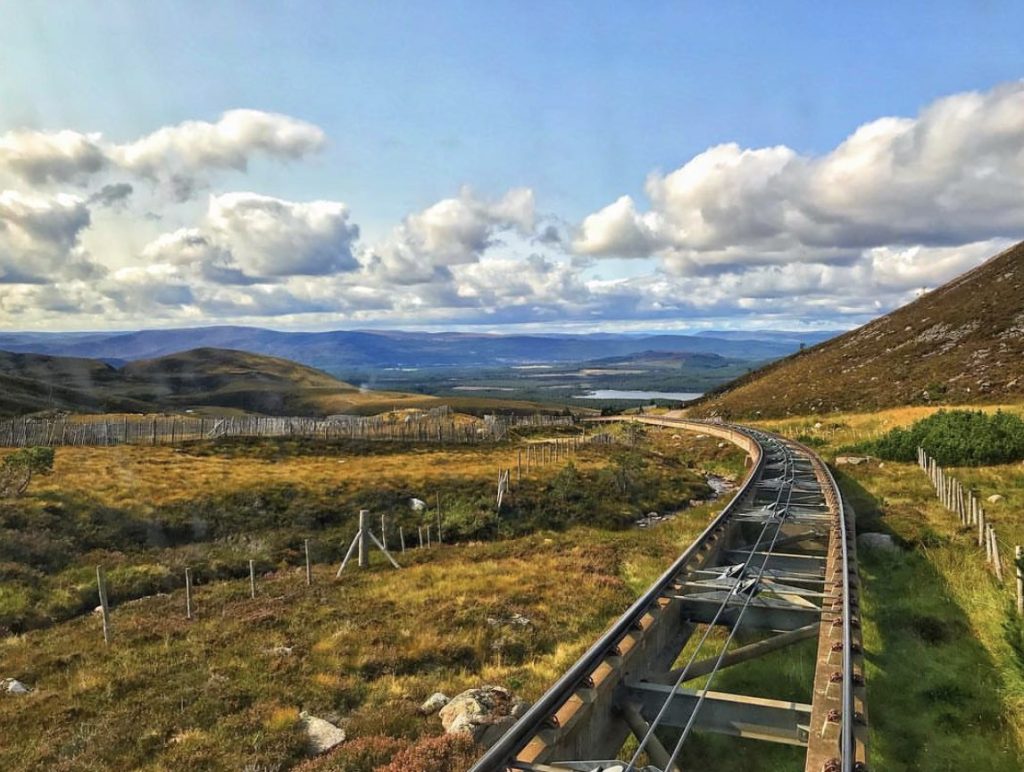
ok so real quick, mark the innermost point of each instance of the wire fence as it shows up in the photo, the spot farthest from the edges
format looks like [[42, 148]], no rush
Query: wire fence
[[963, 502]]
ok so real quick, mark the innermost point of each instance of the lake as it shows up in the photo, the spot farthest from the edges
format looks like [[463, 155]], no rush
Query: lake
[[678, 396]]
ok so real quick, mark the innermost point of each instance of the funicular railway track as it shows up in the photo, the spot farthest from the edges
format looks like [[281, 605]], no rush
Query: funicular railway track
[[775, 567]]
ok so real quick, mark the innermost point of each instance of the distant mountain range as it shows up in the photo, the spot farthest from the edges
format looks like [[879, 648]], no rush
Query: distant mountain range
[[961, 343], [340, 352]]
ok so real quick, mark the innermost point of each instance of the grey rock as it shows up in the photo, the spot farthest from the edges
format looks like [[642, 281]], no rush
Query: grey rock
[[434, 703], [323, 735], [14, 686], [851, 460], [484, 714], [995, 498], [882, 542]]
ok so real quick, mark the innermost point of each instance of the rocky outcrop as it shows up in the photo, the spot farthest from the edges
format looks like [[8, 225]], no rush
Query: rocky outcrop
[[484, 714]]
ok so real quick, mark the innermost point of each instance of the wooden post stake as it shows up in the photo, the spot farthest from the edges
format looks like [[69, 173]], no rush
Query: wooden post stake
[[981, 527], [440, 538], [401, 538], [519, 466], [188, 593], [309, 567], [996, 562], [420, 530], [1018, 558], [383, 532], [428, 535], [252, 579], [364, 552], [101, 589]]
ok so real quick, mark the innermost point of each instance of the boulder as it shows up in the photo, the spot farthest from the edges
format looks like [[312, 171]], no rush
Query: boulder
[[851, 460], [434, 703], [882, 542], [484, 714], [323, 735], [14, 686], [995, 498], [417, 505]]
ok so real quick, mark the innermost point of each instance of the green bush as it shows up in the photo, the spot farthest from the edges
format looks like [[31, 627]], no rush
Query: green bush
[[956, 438], [17, 469]]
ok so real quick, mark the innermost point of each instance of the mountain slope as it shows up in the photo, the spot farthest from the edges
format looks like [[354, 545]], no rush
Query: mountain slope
[[961, 343]]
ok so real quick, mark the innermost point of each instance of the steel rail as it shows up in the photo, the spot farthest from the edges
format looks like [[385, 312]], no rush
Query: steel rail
[[755, 547], [739, 619], [501, 755]]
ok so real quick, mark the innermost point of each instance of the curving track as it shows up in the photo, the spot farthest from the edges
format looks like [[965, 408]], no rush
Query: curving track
[[775, 567]]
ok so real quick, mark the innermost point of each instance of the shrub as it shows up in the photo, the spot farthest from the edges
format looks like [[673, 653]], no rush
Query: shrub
[[16, 469], [956, 438], [447, 753]]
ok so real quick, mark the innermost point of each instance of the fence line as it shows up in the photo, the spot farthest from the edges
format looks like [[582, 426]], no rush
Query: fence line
[[962, 502], [438, 425]]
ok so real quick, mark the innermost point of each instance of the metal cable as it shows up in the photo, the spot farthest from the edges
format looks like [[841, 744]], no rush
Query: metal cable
[[786, 475], [732, 633]]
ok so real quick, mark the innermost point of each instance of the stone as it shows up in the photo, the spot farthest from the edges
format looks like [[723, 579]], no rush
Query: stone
[[881, 542], [995, 498], [851, 460], [280, 651], [323, 735], [434, 703], [14, 686], [484, 714], [417, 505]]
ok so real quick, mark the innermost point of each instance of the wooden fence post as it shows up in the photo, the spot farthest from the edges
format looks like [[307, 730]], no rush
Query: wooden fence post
[[383, 532], [101, 588], [309, 568], [1018, 557], [996, 562], [401, 538], [188, 593], [428, 535], [252, 579], [420, 530], [440, 538], [364, 552]]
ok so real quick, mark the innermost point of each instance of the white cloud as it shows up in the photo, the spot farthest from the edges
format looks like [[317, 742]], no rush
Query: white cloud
[[229, 143], [39, 157], [953, 175], [247, 238], [39, 237], [454, 231], [176, 156]]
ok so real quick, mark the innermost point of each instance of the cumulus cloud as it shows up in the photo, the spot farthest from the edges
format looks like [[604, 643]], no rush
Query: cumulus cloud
[[454, 231], [228, 143], [247, 238], [39, 237], [952, 175], [175, 156], [39, 157]]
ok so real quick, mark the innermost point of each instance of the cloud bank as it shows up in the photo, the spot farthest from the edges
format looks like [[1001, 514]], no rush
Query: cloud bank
[[750, 235]]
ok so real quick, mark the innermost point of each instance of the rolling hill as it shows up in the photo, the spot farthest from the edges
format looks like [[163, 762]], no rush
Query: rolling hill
[[339, 352], [961, 343]]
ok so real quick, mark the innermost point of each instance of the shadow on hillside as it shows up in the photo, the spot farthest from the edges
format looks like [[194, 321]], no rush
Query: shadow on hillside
[[933, 690]]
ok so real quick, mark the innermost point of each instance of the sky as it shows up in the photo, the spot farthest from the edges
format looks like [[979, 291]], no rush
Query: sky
[[503, 165]]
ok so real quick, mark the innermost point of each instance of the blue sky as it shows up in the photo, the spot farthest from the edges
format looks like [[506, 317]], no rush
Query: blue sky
[[417, 104]]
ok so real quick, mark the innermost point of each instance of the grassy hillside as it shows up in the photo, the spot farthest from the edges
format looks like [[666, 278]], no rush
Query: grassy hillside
[[223, 691], [961, 343]]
